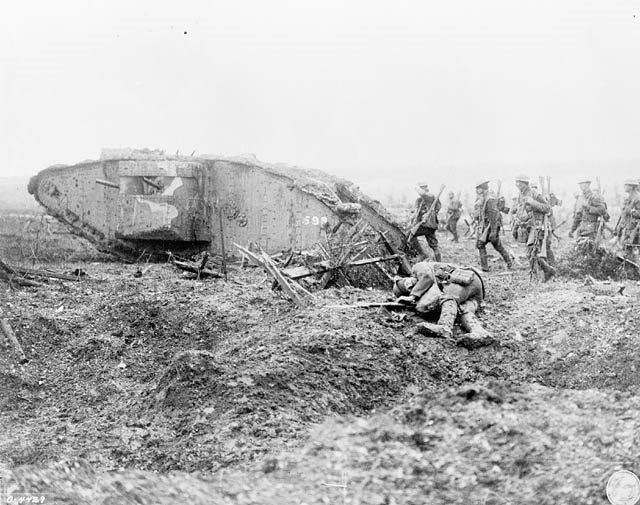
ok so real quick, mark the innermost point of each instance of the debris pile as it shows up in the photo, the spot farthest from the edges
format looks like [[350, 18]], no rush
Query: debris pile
[[589, 258]]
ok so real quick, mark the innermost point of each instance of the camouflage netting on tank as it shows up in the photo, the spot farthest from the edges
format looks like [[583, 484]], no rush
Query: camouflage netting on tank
[[587, 258], [331, 190], [342, 197]]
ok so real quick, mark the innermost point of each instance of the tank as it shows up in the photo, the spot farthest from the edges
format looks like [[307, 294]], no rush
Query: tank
[[143, 200]]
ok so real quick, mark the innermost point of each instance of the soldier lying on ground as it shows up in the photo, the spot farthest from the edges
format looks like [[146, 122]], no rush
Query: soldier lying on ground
[[453, 290]]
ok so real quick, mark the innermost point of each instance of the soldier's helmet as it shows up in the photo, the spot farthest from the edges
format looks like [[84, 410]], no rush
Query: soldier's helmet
[[522, 178], [482, 183], [584, 180], [403, 286], [423, 184], [631, 182]]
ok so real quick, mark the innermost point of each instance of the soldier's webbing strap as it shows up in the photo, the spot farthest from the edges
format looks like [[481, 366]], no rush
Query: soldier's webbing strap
[[477, 272]]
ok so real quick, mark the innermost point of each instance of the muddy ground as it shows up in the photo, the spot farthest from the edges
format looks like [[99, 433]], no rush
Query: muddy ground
[[162, 389]]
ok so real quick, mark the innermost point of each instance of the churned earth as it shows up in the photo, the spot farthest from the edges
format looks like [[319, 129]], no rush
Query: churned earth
[[162, 389]]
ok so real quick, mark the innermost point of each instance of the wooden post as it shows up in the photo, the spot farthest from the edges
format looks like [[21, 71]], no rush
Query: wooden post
[[224, 255], [8, 332]]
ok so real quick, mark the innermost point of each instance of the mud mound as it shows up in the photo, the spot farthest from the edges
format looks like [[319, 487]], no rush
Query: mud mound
[[166, 374], [446, 449], [504, 444], [577, 336], [187, 371], [163, 373]]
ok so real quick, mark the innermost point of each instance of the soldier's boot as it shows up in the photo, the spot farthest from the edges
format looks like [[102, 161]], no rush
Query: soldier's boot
[[484, 262], [477, 336], [505, 255], [436, 254], [547, 269], [444, 327]]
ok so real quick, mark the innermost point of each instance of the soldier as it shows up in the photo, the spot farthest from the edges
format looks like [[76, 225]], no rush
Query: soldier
[[589, 213], [628, 229], [455, 290], [454, 210], [489, 224], [427, 218], [532, 219]]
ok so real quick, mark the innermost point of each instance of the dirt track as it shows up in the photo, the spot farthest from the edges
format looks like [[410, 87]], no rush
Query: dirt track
[[262, 402]]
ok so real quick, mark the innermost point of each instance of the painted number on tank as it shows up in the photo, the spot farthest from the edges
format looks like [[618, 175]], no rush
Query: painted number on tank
[[314, 220]]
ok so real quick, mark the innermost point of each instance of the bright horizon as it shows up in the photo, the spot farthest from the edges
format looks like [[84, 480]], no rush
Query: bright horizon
[[377, 92]]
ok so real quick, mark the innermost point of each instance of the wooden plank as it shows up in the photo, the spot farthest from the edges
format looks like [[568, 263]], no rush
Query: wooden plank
[[250, 256], [323, 266], [275, 272], [405, 266], [193, 268], [43, 273]]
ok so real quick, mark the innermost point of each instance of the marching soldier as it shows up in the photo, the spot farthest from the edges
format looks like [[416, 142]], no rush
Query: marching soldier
[[628, 229], [589, 213], [532, 220], [489, 224], [454, 210], [426, 216]]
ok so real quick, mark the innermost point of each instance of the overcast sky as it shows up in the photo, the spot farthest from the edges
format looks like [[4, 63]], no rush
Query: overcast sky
[[364, 90]]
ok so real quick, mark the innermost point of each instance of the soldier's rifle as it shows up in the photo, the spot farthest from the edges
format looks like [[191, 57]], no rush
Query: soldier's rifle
[[541, 182], [414, 220], [634, 236], [545, 237], [475, 224], [498, 200], [416, 226], [373, 305], [549, 185], [546, 192], [599, 230], [471, 227], [617, 227]]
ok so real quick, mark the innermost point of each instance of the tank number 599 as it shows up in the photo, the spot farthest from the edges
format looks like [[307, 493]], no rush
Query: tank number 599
[[314, 220]]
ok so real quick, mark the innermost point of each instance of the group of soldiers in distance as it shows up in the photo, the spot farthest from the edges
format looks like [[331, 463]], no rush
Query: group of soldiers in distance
[[456, 292], [532, 221]]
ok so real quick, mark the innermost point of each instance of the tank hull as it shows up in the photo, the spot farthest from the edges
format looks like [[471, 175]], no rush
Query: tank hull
[[145, 201]]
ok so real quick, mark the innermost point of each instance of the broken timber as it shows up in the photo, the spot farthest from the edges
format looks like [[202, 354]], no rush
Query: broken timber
[[325, 266], [11, 276], [265, 261], [196, 268], [11, 337], [372, 305]]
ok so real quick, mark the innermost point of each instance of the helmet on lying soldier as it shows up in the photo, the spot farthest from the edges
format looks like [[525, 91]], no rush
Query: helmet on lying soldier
[[403, 285]]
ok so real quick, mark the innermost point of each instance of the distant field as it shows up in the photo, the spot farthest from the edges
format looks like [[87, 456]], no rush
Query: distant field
[[14, 195]]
